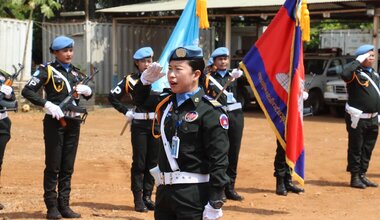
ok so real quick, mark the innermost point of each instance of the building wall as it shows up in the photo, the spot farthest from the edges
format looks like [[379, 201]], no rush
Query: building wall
[[13, 34], [129, 39], [347, 40]]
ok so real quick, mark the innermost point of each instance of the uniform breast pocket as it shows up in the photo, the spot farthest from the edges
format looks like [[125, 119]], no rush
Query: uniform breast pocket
[[188, 133]]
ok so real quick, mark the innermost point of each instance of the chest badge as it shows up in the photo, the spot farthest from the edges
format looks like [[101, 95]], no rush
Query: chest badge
[[223, 120], [191, 116]]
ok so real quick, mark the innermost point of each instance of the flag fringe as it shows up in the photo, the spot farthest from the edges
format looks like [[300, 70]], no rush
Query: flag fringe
[[305, 21], [202, 14]]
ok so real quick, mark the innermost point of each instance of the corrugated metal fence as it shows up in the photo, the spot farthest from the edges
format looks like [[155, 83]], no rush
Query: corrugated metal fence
[[12, 45], [129, 39]]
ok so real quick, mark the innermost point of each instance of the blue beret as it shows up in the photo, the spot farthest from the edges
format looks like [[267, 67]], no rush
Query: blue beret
[[142, 53], [364, 49], [210, 61], [186, 53], [220, 52], [62, 42]]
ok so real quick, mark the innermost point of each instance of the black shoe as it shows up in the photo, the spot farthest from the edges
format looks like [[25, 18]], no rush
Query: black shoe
[[356, 181], [53, 213], [367, 182], [148, 202], [139, 203], [67, 212], [280, 186], [290, 187], [1, 206], [232, 194]]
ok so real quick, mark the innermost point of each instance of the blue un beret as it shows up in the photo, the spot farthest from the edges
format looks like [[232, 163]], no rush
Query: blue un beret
[[364, 49], [62, 42], [186, 53], [142, 53], [220, 52], [210, 61]]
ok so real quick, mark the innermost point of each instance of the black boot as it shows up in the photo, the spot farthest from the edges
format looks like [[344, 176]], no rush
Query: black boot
[[366, 181], [52, 210], [280, 186], [149, 203], [139, 203], [290, 187], [231, 193], [64, 208], [1, 206], [356, 181]]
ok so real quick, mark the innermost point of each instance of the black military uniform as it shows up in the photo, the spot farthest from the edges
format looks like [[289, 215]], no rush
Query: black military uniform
[[145, 146], [235, 131], [192, 165], [284, 182], [362, 96], [5, 124], [61, 143]]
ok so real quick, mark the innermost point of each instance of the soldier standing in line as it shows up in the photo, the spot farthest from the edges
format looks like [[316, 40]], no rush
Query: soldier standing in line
[[362, 112], [214, 83], [191, 171], [145, 146], [5, 123], [58, 78]]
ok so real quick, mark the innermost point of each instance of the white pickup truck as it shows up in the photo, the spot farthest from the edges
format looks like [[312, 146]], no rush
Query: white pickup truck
[[336, 96]]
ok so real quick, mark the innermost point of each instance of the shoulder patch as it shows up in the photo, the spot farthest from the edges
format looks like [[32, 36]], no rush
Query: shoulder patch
[[223, 120], [212, 101], [36, 73]]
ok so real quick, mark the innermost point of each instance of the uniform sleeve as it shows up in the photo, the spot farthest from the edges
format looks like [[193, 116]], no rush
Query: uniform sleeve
[[116, 95], [349, 70], [30, 91], [215, 138], [141, 93]]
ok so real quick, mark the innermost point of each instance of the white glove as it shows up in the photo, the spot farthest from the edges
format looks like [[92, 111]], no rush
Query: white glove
[[54, 110], [212, 214], [236, 73], [362, 58], [129, 115], [151, 74], [305, 95], [7, 90], [83, 90]]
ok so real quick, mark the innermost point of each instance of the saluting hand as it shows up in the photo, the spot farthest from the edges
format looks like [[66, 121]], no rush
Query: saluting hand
[[152, 74], [363, 57]]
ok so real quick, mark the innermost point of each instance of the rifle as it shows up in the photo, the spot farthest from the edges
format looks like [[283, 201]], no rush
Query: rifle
[[5, 104], [67, 103], [308, 110]]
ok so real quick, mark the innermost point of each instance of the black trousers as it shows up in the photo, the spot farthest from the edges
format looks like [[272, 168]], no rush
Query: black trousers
[[5, 136], [145, 156], [181, 201], [361, 142], [235, 133], [281, 168], [61, 144]]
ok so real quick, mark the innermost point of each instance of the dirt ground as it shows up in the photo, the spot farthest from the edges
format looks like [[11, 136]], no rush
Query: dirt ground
[[101, 182]]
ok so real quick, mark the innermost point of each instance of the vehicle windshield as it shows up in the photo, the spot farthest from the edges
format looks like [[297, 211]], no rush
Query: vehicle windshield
[[315, 66]]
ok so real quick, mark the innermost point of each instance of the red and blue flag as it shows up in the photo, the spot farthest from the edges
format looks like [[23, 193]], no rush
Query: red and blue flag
[[274, 68]]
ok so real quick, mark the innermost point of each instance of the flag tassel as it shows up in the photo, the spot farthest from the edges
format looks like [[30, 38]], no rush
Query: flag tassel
[[305, 22], [202, 14]]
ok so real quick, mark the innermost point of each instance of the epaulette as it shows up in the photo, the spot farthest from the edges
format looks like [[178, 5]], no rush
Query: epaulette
[[212, 101], [44, 65]]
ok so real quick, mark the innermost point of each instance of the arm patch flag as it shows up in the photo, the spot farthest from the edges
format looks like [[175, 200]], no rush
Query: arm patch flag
[[274, 69]]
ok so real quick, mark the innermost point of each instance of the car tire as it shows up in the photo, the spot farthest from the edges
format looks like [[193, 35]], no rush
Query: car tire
[[315, 100]]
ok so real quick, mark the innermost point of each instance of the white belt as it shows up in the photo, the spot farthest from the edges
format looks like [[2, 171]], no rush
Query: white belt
[[66, 113], [143, 116], [179, 177], [3, 115], [368, 115], [232, 107]]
